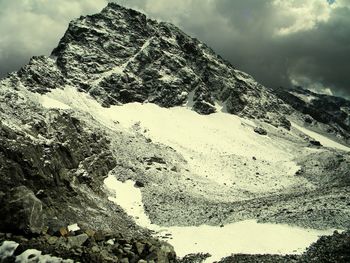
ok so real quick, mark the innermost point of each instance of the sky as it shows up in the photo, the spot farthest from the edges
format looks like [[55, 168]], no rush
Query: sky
[[281, 43]]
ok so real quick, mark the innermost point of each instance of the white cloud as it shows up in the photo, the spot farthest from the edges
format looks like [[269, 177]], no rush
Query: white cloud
[[34, 27], [304, 15], [314, 86]]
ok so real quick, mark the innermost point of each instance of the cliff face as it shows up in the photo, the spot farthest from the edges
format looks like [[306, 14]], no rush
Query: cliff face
[[120, 56]]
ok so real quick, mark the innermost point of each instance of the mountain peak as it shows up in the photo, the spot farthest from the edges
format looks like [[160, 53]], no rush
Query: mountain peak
[[114, 8], [121, 56]]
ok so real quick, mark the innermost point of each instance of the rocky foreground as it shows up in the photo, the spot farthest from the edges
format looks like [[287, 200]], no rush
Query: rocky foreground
[[90, 246]]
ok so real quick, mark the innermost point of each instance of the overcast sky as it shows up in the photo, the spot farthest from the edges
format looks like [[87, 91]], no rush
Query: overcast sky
[[279, 42]]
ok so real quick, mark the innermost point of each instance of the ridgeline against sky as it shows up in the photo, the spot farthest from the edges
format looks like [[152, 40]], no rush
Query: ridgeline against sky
[[280, 43]]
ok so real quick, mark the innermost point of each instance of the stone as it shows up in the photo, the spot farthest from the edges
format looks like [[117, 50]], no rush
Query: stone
[[77, 241], [22, 211], [100, 235], [95, 249], [139, 247], [52, 240], [124, 260], [64, 231], [315, 143], [174, 169], [260, 130], [90, 232], [7, 249], [73, 228], [110, 242], [139, 184]]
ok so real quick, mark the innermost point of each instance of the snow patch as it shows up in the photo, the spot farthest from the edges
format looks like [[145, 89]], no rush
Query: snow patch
[[73, 228], [30, 255], [241, 237], [51, 103], [219, 147], [321, 138]]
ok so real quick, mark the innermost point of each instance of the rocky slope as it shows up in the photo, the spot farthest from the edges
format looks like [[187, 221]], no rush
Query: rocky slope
[[52, 171], [329, 114], [120, 56], [65, 125]]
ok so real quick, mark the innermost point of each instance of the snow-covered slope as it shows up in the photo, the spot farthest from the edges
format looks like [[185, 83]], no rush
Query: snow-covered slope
[[219, 241], [324, 113], [220, 149], [225, 160]]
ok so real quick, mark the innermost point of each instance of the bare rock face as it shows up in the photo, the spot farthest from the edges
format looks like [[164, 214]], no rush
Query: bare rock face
[[332, 111], [121, 56], [23, 211]]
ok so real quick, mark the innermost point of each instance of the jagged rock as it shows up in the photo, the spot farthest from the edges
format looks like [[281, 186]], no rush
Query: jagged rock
[[203, 107], [139, 247], [194, 258], [90, 232], [166, 254], [7, 249], [64, 231], [154, 159], [52, 240], [308, 119], [22, 211], [77, 241]]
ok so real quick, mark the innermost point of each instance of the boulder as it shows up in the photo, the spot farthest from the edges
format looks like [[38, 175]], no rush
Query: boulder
[[77, 241], [22, 212], [166, 253], [260, 130], [139, 184], [315, 143]]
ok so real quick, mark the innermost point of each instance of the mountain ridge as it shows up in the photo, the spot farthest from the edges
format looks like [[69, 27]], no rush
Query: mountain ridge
[[167, 65]]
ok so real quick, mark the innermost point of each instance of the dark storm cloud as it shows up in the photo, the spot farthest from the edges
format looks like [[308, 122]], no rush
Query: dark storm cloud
[[278, 42], [317, 57], [323, 53]]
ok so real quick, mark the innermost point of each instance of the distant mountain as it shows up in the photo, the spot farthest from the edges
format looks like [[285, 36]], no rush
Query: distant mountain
[[330, 110]]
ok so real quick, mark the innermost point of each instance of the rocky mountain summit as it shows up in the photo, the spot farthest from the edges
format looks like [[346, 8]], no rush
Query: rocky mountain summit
[[120, 56], [126, 96]]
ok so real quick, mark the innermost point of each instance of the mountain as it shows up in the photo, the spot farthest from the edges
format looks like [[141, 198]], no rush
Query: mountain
[[120, 56], [124, 98], [332, 111]]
